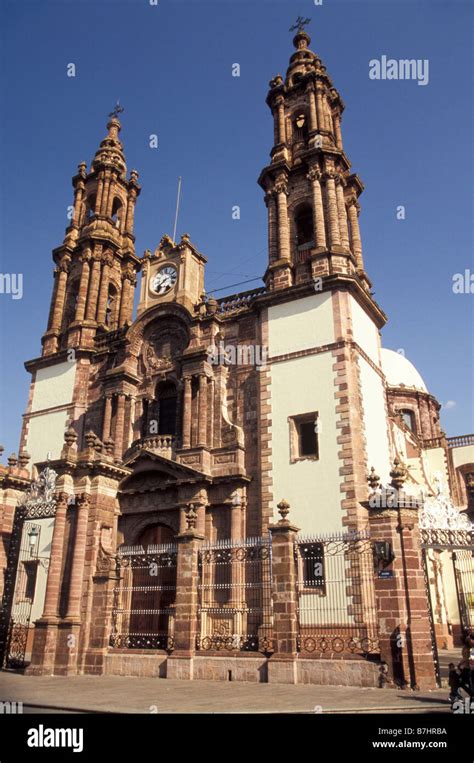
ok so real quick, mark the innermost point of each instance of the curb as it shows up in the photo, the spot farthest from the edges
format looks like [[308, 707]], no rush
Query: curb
[[331, 711]]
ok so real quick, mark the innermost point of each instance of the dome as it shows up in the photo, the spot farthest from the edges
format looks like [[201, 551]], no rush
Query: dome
[[400, 372]]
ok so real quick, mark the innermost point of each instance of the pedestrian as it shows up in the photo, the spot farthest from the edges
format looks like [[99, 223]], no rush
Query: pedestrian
[[467, 663], [454, 681]]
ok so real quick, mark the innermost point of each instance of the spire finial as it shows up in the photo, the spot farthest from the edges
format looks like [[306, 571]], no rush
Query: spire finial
[[300, 24], [301, 39], [116, 111]]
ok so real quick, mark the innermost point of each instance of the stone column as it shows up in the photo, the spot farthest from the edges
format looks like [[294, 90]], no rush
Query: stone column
[[181, 663], [69, 629], [272, 226], [314, 176], [93, 287], [313, 118], [131, 412], [319, 109], [110, 197], [43, 653], [60, 297], [78, 202], [132, 198], [281, 189], [119, 426], [125, 312], [281, 121], [104, 288], [137, 432], [337, 130], [53, 584], [78, 556], [187, 402], [100, 191], [331, 206], [107, 418], [282, 665], [83, 286], [102, 210], [202, 425], [53, 298], [402, 600], [211, 387], [356, 243], [237, 565], [342, 213]]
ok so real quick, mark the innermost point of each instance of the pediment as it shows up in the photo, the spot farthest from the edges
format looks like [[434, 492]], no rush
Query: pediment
[[154, 472]]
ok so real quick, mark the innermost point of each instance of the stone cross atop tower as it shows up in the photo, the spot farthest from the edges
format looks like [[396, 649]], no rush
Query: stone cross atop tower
[[311, 195]]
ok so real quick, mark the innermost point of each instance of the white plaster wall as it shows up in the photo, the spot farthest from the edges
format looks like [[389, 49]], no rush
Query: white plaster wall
[[435, 465], [300, 324], [464, 455], [375, 421], [46, 434], [312, 488], [365, 332], [54, 386], [43, 552]]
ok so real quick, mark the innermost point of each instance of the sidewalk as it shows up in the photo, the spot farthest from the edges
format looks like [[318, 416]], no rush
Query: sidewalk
[[117, 694]]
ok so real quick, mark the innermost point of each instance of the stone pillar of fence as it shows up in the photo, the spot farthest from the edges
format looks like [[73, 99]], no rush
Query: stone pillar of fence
[[282, 664], [180, 663], [402, 598]]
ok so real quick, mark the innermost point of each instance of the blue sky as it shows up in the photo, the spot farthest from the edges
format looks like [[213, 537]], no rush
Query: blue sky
[[171, 67]]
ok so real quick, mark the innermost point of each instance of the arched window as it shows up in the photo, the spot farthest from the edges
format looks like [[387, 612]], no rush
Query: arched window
[[71, 304], [300, 127], [155, 535], [117, 209], [167, 400], [90, 207], [304, 226], [409, 419], [112, 307]]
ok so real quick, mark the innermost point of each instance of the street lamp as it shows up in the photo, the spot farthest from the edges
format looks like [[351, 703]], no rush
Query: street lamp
[[33, 539]]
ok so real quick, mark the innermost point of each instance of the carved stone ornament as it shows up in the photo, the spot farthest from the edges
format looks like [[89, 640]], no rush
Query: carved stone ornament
[[166, 341], [105, 561]]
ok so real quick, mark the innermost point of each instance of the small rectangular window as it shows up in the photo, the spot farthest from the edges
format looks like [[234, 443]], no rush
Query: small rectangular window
[[304, 442], [314, 573]]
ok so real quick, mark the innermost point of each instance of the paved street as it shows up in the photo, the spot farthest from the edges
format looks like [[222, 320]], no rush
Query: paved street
[[148, 695]]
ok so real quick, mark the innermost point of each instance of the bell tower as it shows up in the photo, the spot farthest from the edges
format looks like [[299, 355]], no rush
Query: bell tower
[[311, 194], [96, 265], [95, 278]]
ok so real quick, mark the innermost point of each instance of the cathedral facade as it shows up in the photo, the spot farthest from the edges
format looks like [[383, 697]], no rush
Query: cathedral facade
[[192, 465]]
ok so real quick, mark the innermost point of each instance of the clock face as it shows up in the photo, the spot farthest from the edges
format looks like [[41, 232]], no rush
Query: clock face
[[164, 279]]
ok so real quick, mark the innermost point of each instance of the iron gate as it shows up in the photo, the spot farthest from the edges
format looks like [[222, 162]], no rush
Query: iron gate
[[23, 595], [18, 594], [143, 613], [337, 611], [460, 546], [235, 596]]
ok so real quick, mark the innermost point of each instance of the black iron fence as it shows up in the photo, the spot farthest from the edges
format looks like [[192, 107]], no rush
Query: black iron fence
[[143, 611], [235, 602], [337, 612]]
